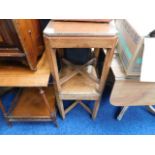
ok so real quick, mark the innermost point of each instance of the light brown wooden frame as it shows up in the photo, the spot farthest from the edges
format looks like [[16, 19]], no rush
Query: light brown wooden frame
[[52, 42]]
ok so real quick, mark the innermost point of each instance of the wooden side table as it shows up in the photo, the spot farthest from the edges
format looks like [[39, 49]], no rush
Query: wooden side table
[[129, 91], [35, 100], [78, 82]]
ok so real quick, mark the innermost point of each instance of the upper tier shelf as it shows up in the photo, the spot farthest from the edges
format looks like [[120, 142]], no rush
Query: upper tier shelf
[[20, 76]]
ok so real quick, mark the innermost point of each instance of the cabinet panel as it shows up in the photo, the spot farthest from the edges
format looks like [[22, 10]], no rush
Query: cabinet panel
[[8, 35], [30, 34], [21, 39]]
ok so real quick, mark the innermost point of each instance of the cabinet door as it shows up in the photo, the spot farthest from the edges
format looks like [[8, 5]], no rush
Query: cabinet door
[[8, 35]]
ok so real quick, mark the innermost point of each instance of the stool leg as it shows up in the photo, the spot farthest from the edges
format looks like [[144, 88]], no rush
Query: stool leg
[[95, 110], [121, 114]]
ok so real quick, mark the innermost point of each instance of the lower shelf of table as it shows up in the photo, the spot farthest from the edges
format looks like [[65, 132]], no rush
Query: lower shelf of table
[[30, 106], [79, 86]]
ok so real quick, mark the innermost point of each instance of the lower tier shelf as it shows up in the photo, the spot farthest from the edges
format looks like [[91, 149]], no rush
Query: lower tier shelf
[[31, 106], [79, 86]]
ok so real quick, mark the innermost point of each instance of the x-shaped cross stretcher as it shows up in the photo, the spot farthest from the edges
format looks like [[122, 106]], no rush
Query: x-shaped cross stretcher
[[79, 69]]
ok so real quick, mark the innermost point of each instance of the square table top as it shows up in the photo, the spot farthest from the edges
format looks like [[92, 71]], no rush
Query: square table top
[[75, 28]]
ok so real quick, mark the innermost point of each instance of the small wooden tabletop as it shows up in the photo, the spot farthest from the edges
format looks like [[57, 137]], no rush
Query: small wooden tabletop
[[128, 91], [20, 76], [71, 28]]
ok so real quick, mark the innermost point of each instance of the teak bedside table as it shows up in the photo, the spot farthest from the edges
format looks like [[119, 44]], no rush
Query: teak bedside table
[[35, 100], [76, 82]]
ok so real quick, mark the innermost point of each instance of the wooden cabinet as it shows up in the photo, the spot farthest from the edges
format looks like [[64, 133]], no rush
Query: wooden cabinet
[[21, 39]]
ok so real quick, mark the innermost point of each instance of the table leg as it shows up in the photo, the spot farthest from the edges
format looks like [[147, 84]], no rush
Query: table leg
[[121, 114], [60, 106], [95, 109], [52, 114], [57, 84], [51, 55], [104, 75]]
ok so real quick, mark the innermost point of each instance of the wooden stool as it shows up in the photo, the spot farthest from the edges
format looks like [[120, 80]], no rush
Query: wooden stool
[[79, 82], [34, 100]]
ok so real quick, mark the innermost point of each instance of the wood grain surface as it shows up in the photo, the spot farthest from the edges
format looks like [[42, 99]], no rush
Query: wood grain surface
[[79, 86], [128, 91], [20, 76], [31, 104], [56, 28]]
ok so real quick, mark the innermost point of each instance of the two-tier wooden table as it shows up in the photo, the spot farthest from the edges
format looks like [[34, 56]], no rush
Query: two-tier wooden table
[[75, 82], [34, 100]]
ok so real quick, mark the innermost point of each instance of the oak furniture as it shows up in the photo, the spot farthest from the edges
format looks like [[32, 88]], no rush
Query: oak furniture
[[79, 82], [34, 100], [129, 91], [21, 40]]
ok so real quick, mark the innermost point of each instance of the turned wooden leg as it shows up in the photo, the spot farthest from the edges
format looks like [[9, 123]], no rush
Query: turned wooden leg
[[52, 114], [42, 92], [96, 108]]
